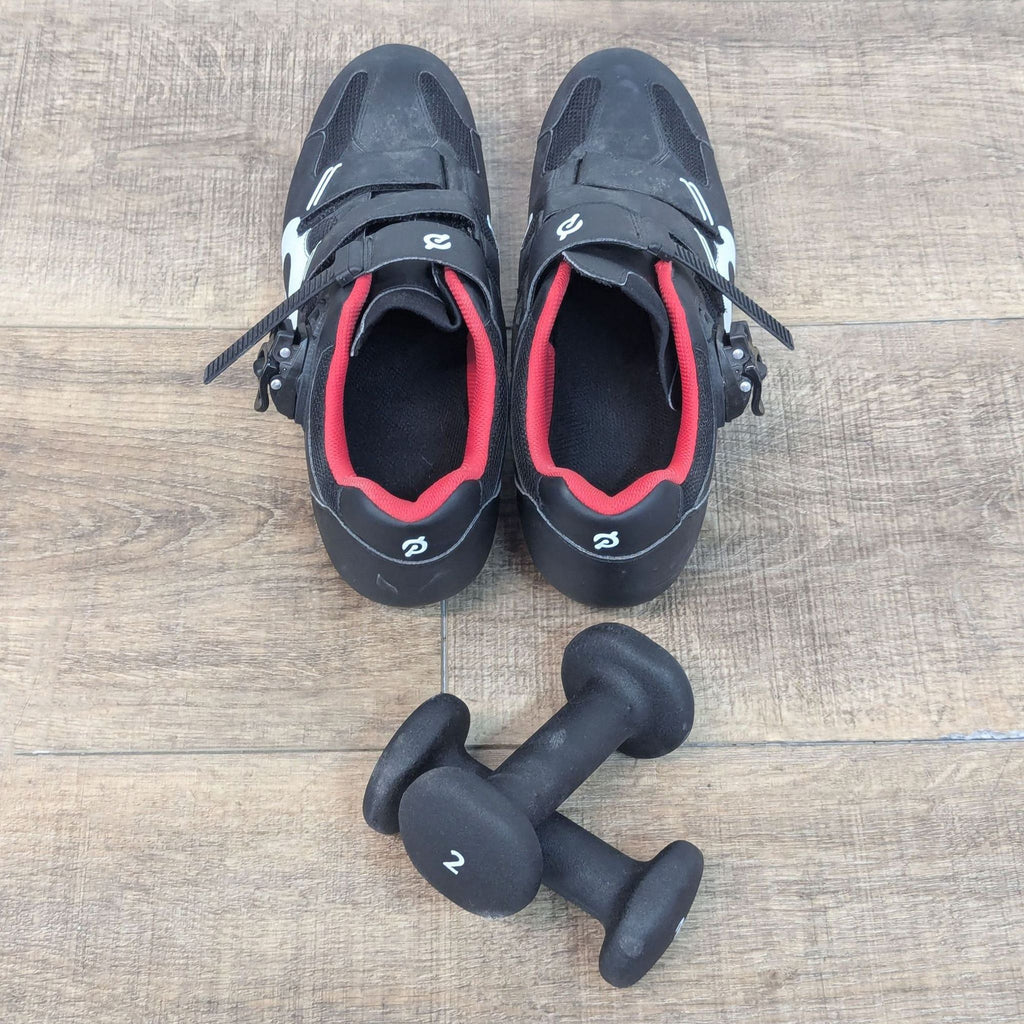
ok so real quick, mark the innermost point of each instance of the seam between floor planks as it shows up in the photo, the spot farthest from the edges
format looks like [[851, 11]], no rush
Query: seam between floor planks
[[1012, 737]]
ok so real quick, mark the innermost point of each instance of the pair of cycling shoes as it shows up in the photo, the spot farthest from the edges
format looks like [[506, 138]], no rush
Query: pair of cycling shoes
[[390, 348]]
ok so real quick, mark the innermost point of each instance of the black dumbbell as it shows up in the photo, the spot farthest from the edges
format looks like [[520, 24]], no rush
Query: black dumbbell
[[641, 904], [623, 691]]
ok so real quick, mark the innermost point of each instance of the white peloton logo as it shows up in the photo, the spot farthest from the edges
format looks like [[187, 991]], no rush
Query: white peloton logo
[[433, 241], [569, 226], [606, 540], [455, 863], [723, 259], [414, 546]]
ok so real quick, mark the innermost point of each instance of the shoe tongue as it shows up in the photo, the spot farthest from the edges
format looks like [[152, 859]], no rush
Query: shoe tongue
[[633, 272], [413, 287]]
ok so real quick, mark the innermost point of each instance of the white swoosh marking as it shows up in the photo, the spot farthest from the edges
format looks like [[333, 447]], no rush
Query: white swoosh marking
[[321, 186], [293, 245], [724, 258], [698, 198], [725, 264]]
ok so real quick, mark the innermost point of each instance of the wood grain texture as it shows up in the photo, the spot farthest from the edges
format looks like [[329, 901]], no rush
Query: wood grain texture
[[165, 586], [858, 574], [871, 151], [842, 884]]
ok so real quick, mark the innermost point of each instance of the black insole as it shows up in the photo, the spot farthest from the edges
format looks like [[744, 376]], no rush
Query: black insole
[[610, 420], [406, 409]]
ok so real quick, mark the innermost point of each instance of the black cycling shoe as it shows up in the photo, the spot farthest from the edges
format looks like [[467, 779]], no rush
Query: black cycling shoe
[[627, 359], [389, 350]]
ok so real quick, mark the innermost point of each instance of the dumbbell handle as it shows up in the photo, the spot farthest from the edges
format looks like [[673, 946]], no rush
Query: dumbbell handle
[[583, 869], [579, 866], [559, 757]]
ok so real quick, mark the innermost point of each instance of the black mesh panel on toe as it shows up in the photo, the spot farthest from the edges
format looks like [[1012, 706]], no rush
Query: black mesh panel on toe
[[342, 125], [406, 408], [678, 135], [610, 419], [447, 122], [572, 125]]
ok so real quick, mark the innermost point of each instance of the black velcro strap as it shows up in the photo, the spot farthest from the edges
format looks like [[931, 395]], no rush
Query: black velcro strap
[[593, 223], [638, 177], [410, 168], [606, 223], [429, 241], [365, 209], [392, 207]]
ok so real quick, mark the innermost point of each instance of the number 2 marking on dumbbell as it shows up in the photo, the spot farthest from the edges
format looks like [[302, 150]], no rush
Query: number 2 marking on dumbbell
[[455, 863]]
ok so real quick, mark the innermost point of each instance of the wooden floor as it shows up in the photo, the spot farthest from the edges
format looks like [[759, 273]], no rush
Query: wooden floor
[[191, 701]]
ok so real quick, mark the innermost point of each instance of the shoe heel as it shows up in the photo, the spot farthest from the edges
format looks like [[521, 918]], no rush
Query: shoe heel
[[608, 580]]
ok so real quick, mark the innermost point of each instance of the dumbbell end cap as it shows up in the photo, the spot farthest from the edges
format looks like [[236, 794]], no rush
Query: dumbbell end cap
[[470, 842], [643, 676], [653, 914], [438, 727]]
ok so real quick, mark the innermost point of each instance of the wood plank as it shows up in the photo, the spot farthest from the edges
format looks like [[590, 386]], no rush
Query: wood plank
[[164, 585], [871, 151], [855, 577], [852, 883], [858, 575]]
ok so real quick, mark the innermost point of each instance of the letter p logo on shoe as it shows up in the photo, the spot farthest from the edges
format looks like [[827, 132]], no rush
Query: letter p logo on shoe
[[414, 546], [569, 226]]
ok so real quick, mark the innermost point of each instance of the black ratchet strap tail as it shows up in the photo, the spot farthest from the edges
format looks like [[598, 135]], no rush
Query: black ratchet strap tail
[[722, 284], [309, 290]]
